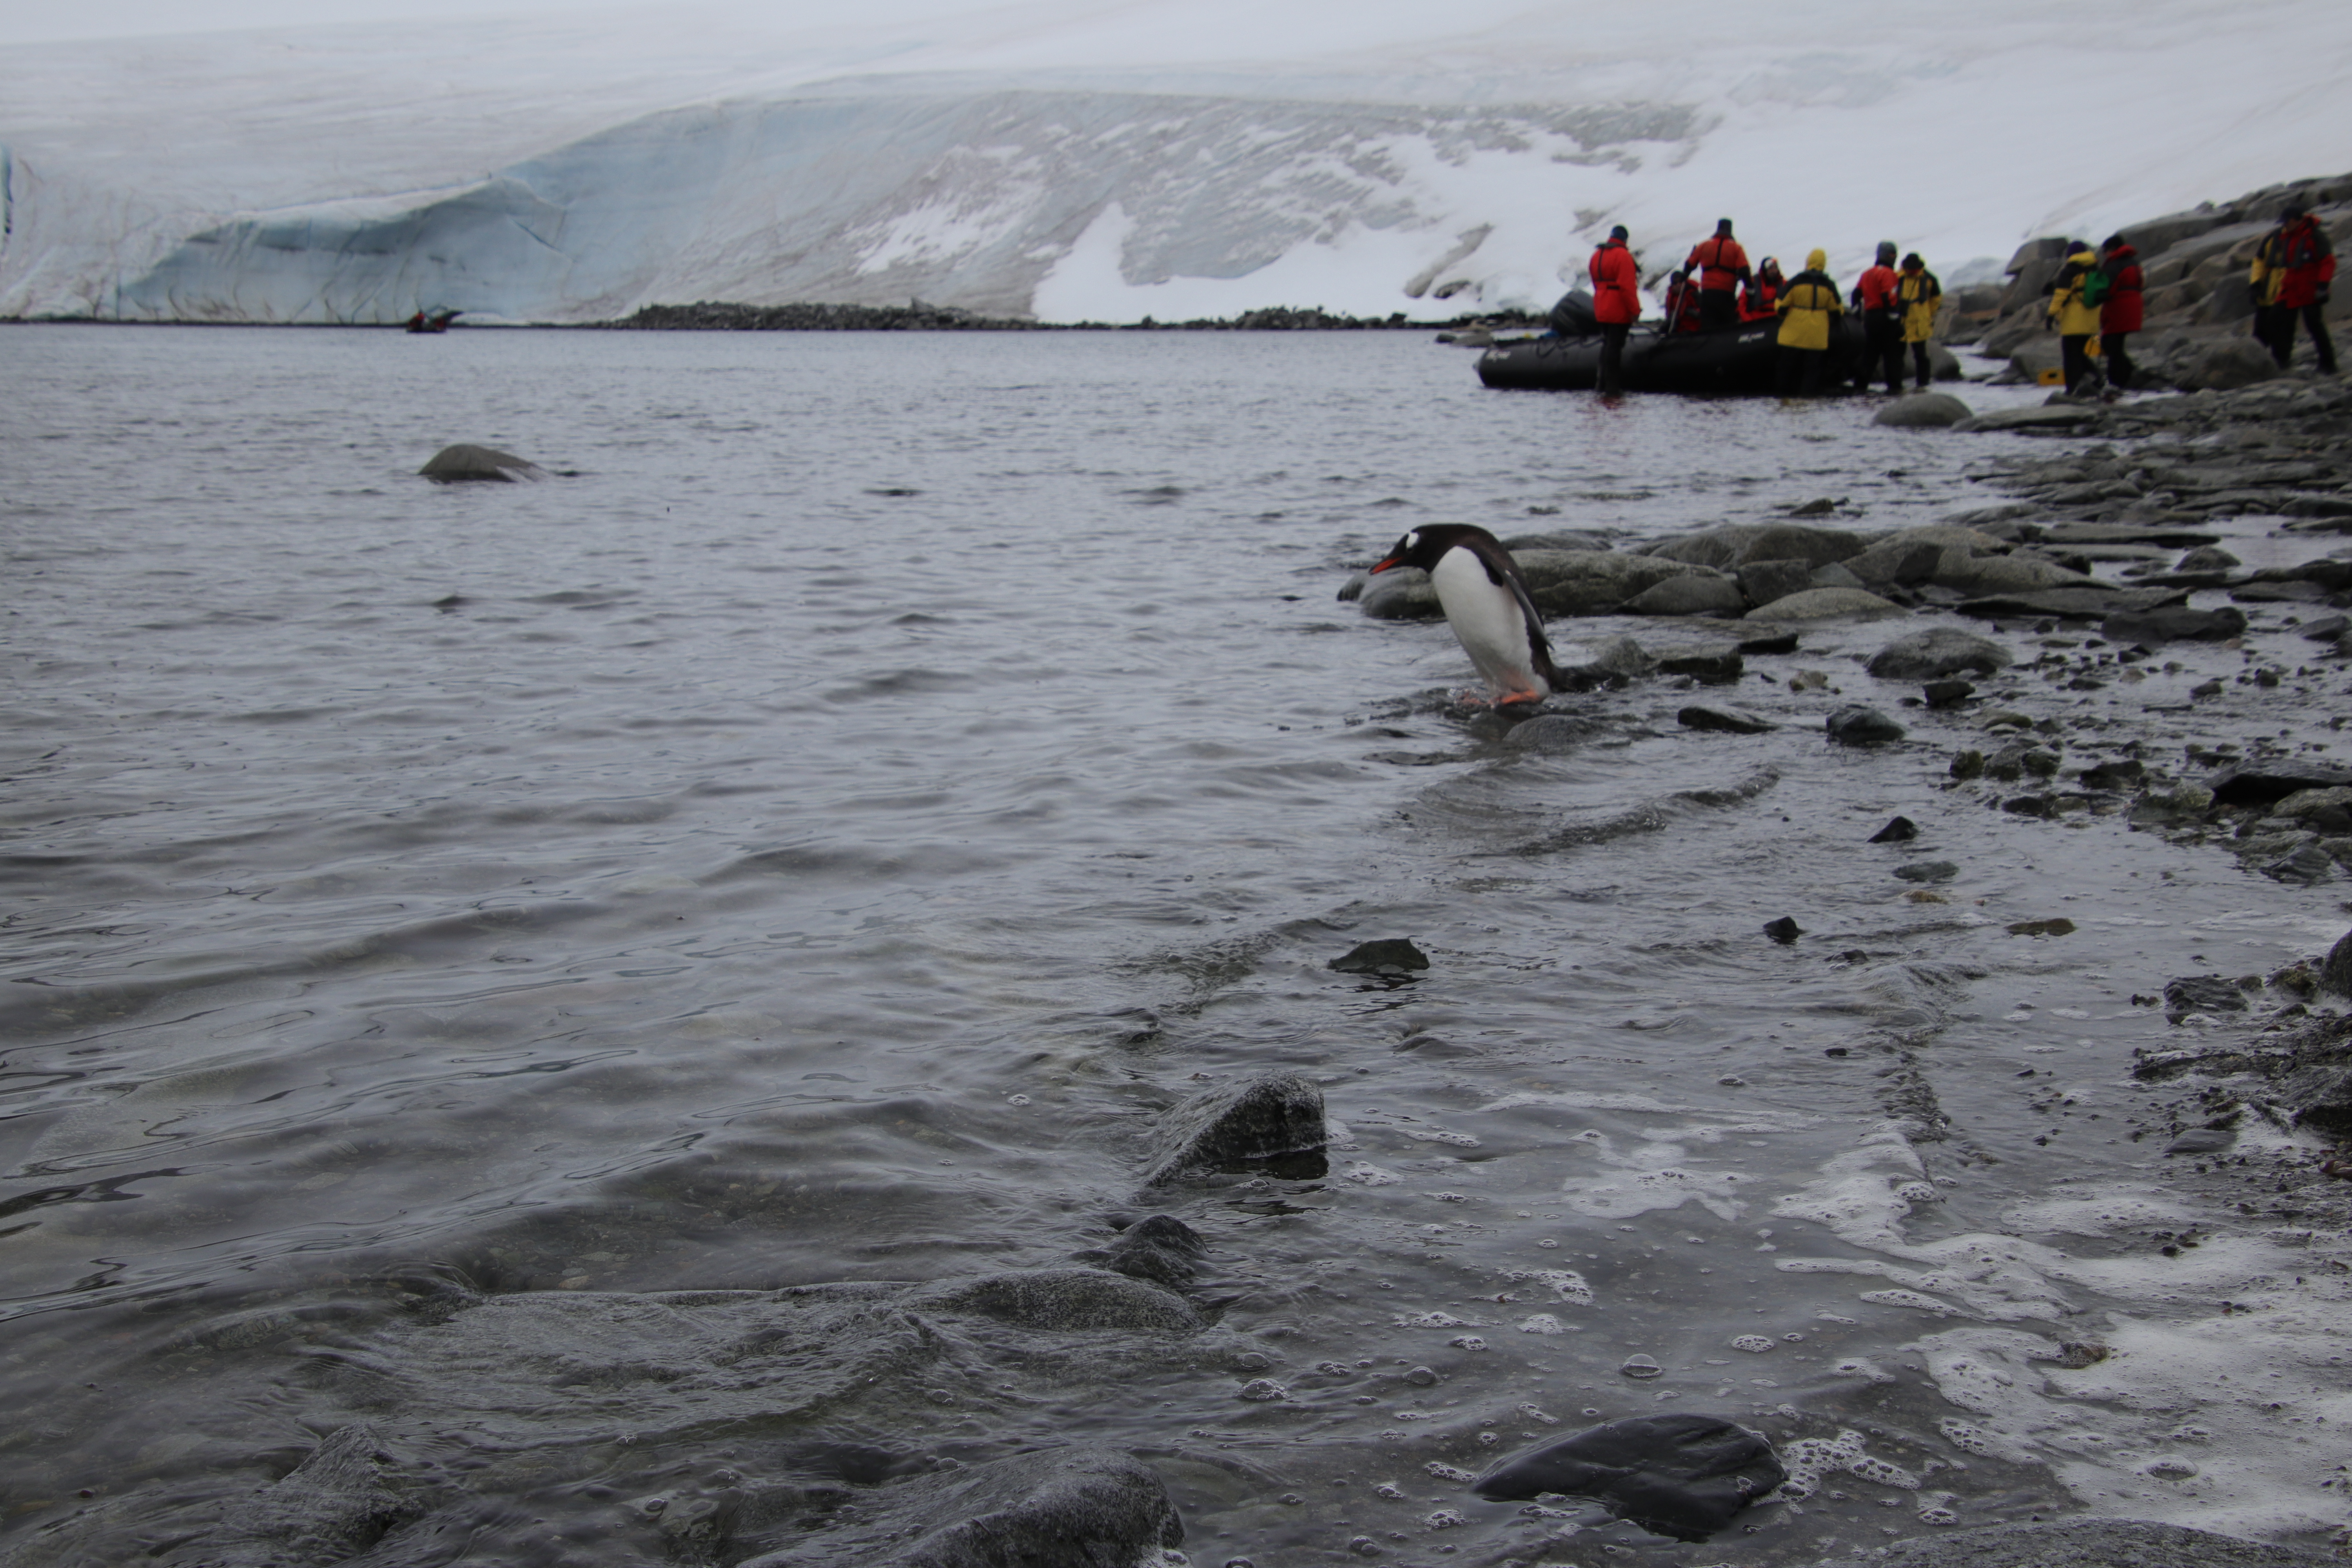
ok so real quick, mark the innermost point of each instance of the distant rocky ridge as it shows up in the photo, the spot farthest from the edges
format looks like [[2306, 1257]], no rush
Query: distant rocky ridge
[[918, 316]]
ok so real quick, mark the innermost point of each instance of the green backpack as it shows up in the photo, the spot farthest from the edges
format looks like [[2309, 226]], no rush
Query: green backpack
[[2096, 284]]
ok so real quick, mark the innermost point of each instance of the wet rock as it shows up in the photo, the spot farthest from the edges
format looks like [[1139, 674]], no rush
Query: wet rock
[[1967, 765], [1826, 604], [2306, 865], [1855, 725], [1551, 732], [2273, 779], [2201, 993], [2071, 603], [1398, 594], [2319, 1096], [1900, 830], [2114, 775], [2058, 925], [1062, 1508], [1929, 871], [2018, 758], [1978, 575], [1947, 693], [2126, 533], [1160, 1249], [467, 464], [1765, 581], [2206, 558], [333, 1505], [1761, 643], [1735, 720], [2085, 1544], [1835, 575], [1693, 593], [2174, 623], [2047, 416], [1906, 559], [2327, 628], [1686, 1476], [2227, 364], [1709, 666], [2202, 1140], [2328, 811], [1923, 411], [1616, 661], [1061, 1301], [1937, 652], [1591, 582], [1388, 956], [1783, 930], [2335, 973], [1268, 1117]]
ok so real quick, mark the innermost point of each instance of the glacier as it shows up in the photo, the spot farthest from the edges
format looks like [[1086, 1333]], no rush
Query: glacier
[[1062, 160]]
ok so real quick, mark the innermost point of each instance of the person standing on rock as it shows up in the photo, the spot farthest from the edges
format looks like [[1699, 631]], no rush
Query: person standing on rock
[[1918, 292], [1616, 305], [1720, 267], [2293, 270], [2077, 319], [1809, 308], [1882, 324], [2120, 310]]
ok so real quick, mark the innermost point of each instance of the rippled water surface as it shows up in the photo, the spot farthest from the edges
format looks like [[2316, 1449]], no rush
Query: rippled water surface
[[812, 835]]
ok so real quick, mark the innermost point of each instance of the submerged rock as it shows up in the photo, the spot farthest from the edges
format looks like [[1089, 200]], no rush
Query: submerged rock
[[1240, 1124], [1160, 1249], [465, 464], [333, 1505], [1685, 1476], [1928, 870], [1061, 1301], [1394, 954], [1062, 1508], [1898, 830], [2173, 623], [1737, 720], [2201, 993], [1855, 725]]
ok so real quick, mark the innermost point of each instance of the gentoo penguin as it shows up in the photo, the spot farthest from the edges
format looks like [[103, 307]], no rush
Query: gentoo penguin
[[1486, 601]]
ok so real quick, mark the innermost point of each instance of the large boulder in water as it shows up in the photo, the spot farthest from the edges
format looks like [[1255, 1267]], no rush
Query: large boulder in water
[[1591, 582], [1937, 652], [1060, 1508], [465, 464], [1923, 411], [1695, 593], [1683, 1475], [1277, 1117], [1825, 605]]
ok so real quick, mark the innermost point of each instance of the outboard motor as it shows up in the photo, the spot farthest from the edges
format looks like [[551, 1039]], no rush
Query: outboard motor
[[1573, 317]]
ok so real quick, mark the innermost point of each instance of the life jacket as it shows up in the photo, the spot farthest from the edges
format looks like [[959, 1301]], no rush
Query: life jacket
[[1916, 295], [1875, 290], [2121, 311], [1718, 262]]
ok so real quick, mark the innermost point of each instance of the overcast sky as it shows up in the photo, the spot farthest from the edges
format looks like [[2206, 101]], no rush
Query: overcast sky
[[31, 21]]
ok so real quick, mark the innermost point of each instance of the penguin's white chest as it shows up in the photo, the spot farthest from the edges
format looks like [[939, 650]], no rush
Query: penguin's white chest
[[1486, 618]]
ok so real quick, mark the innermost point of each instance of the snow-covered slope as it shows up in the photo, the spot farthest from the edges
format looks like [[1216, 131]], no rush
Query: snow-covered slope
[[1089, 161]]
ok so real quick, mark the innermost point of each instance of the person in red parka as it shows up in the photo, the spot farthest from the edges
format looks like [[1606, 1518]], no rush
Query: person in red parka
[[1717, 267], [2119, 312], [2295, 265], [1882, 322], [1616, 305]]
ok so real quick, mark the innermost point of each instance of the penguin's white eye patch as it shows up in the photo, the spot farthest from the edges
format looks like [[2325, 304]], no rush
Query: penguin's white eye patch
[[1413, 539]]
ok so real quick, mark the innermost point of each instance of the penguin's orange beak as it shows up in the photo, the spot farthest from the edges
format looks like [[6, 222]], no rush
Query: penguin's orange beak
[[1392, 561]]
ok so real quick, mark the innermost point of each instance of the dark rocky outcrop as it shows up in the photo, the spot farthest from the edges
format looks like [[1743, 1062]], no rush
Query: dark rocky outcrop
[[333, 1505], [1686, 1476], [1061, 1508], [1735, 721], [1158, 1247], [2174, 623], [1390, 955], [1238, 1127]]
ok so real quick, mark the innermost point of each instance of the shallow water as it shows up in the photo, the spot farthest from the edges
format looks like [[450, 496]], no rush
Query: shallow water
[[810, 837]]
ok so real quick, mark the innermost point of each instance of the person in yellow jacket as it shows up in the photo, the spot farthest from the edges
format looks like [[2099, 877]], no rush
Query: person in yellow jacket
[[1809, 306], [1917, 294], [2076, 318]]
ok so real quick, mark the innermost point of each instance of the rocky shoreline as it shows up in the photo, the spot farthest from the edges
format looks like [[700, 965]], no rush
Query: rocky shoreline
[[917, 316]]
